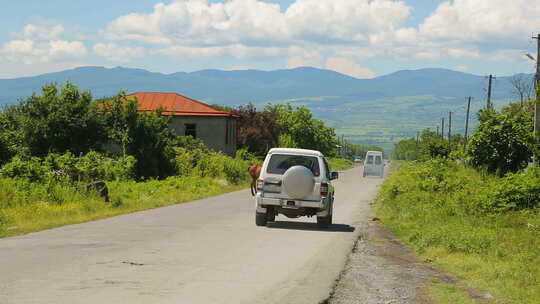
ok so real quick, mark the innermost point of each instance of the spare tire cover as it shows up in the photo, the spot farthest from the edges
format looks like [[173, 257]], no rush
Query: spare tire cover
[[298, 182]]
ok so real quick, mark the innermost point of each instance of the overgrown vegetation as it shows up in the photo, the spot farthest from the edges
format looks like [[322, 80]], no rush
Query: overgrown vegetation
[[474, 209], [503, 142], [26, 206], [340, 164], [283, 126], [54, 144], [479, 227]]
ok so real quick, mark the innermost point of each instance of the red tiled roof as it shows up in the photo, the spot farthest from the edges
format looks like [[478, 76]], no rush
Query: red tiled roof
[[175, 104]]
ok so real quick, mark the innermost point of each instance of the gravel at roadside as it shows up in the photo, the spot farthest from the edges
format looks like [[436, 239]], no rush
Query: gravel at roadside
[[381, 270]]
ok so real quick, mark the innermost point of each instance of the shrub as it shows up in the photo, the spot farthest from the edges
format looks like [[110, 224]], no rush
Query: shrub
[[147, 136], [31, 169], [211, 164], [517, 191], [66, 168], [503, 142], [3, 221], [58, 120], [245, 155]]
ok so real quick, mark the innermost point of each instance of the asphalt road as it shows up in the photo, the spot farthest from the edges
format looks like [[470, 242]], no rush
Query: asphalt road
[[208, 251]]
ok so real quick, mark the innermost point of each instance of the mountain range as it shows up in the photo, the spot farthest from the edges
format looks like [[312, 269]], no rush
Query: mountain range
[[379, 110]]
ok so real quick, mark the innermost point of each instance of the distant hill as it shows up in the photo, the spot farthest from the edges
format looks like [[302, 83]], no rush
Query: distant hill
[[377, 110]]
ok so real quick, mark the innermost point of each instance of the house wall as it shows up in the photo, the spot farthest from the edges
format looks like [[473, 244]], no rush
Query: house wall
[[218, 133]]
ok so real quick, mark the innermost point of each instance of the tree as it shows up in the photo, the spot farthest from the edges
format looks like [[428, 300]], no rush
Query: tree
[[432, 145], [503, 142], [146, 136], [59, 120], [405, 149], [523, 87], [258, 131], [304, 130]]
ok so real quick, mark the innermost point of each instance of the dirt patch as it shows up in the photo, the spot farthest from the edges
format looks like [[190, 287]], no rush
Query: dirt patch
[[381, 270]]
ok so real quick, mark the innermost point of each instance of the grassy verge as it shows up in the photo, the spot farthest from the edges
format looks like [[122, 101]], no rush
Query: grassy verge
[[29, 207], [456, 217], [340, 164]]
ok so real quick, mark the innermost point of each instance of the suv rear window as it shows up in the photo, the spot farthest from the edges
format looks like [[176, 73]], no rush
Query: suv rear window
[[279, 163]]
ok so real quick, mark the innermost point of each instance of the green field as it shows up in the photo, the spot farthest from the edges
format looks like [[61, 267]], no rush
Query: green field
[[470, 225], [383, 122]]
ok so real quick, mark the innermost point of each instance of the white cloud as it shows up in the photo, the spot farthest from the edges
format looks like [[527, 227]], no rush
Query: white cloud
[[29, 51], [43, 31], [239, 68], [60, 49], [300, 57], [499, 23], [254, 22], [238, 51], [348, 67], [23, 47], [343, 20], [16, 69], [114, 52]]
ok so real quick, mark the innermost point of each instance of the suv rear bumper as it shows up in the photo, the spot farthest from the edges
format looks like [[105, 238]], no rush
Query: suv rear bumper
[[262, 202]]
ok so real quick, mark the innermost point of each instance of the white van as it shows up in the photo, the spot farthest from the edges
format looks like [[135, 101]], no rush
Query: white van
[[374, 163]]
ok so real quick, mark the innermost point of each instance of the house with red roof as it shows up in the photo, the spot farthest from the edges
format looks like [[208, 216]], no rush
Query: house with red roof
[[215, 127]]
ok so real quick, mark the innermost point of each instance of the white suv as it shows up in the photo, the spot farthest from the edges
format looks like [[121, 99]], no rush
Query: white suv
[[295, 182]]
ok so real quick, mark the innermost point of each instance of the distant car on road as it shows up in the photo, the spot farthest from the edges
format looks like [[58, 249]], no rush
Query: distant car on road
[[357, 160], [295, 183], [374, 164]]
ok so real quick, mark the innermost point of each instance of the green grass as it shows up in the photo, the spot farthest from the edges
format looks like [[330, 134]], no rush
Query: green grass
[[28, 207], [439, 210], [340, 164], [448, 294], [380, 121]]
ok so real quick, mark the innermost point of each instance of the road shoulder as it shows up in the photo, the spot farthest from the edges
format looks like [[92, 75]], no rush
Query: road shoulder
[[380, 269]]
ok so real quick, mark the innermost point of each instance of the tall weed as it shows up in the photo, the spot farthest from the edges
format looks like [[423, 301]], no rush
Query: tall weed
[[480, 227]]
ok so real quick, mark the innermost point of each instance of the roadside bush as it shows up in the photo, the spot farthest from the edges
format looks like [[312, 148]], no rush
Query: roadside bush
[[211, 164], [245, 155], [503, 142], [480, 227], [31, 168], [517, 191], [147, 137], [68, 168], [339, 164], [58, 120], [3, 221]]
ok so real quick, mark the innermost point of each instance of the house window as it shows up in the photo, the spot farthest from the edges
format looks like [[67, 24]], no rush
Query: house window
[[191, 130]]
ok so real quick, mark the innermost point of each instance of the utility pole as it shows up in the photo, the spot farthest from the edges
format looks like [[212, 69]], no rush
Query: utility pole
[[442, 129], [449, 131], [417, 140], [467, 120], [536, 107], [437, 130], [489, 92]]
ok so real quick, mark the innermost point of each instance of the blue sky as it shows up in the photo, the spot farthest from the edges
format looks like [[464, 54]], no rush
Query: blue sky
[[361, 38]]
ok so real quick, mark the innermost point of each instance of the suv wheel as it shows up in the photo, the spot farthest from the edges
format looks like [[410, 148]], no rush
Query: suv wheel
[[270, 214], [260, 219], [325, 221]]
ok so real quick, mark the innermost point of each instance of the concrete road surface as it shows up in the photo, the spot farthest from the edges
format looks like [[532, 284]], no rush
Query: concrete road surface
[[208, 251]]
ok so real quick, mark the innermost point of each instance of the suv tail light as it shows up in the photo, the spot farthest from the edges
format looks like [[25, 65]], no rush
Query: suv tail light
[[260, 184], [324, 189]]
